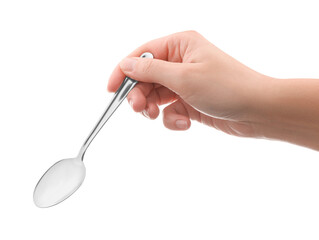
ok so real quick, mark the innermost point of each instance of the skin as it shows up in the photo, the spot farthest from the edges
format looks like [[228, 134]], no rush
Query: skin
[[200, 82]]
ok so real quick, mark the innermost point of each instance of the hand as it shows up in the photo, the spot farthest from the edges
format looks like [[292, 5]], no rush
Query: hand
[[196, 79]]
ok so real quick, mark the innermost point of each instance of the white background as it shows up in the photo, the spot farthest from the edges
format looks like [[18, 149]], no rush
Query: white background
[[144, 181]]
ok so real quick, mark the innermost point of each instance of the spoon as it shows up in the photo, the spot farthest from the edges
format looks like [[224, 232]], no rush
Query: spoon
[[62, 179]]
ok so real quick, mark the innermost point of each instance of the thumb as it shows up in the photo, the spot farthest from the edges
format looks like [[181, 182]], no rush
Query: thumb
[[168, 74]]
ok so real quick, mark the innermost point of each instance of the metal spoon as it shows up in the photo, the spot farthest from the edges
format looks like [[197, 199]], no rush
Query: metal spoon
[[62, 179]]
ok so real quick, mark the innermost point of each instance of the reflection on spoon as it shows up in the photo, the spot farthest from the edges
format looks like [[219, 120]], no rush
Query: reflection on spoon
[[59, 182], [62, 179]]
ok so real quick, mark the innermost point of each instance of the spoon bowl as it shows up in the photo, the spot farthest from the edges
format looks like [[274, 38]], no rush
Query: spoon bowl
[[59, 182]]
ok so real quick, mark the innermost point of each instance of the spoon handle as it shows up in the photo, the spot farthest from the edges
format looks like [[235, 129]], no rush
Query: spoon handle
[[127, 85]]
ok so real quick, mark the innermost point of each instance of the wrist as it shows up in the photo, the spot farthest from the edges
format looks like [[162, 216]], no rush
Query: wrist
[[265, 108], [258, 102], [287, 110]]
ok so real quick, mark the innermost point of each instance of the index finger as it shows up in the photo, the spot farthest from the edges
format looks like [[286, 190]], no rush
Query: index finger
[[158, 47]]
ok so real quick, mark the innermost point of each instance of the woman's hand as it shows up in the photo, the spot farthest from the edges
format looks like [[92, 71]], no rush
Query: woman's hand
[[196, 79]]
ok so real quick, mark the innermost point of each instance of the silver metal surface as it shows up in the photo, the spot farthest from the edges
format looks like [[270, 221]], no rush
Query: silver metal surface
[[62, 179], [118, 98], [127, 85]]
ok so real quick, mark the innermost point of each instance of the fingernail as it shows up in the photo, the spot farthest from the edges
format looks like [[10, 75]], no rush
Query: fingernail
[[128, 64], [181, 124], [146, 114], [130, 102]]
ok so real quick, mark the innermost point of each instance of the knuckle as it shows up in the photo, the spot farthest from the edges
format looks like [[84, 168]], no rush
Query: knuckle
[[192, 32], [184, 34], [184, 38]]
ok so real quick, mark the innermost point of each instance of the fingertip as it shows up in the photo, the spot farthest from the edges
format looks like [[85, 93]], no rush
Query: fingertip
[[137, 100], [182, 124], [130, 101], [110, 88], [115, 79], [177, 123], [137, 105], [152, 111], [175, 117], [127, 65]]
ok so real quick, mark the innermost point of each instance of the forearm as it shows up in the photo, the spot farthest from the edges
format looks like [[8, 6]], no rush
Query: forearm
[[288, 110]]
